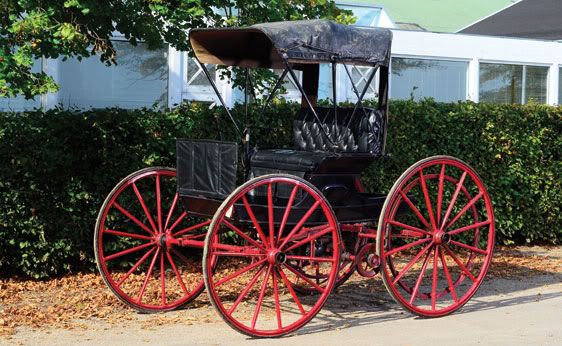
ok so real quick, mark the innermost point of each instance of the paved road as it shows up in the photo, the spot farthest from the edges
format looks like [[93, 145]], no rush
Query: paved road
[[504, 312]]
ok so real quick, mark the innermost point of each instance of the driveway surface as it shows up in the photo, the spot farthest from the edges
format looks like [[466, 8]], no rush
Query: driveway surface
[[521, 311]]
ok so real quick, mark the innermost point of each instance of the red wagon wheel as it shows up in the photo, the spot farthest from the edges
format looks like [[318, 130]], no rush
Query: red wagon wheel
[[436, 236], [251, 251], [136, 243]]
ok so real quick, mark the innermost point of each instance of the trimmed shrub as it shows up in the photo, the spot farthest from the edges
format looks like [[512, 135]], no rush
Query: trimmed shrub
[[58, 166]]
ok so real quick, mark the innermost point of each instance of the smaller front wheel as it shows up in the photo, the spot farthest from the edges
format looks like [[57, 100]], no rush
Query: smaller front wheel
[[136, 243], [259, 247]]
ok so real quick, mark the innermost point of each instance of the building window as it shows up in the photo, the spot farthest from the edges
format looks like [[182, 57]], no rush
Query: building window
[[505, 83], [197, 86], [19, 103], [196, 76], [292, 91], [140, 79], [442, 80]]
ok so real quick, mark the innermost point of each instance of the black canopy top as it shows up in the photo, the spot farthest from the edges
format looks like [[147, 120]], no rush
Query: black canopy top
[[303, 42]]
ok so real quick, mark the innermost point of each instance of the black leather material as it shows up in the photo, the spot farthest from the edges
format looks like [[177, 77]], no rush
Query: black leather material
[[363, 135], [360, 143], [206, 168], [290, 160]]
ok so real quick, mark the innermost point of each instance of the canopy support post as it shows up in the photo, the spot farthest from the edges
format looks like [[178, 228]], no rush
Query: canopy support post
[[307, 100], [334, 97], [383, 102], [359, 97], [208, 75], [275, 87]]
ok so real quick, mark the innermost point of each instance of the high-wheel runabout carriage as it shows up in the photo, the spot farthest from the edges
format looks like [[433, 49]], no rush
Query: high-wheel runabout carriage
[[270, 251]]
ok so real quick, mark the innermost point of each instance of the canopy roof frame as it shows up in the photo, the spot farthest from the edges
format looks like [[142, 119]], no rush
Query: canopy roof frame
[[303, 42]]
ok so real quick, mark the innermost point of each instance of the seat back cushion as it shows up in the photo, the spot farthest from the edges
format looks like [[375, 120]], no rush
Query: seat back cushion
[[363, 135]]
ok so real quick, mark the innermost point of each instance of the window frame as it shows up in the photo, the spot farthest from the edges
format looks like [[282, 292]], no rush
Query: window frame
[[433, 58], [524, 65]]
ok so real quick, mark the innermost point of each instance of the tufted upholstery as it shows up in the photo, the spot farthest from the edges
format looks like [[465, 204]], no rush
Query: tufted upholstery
[[364, 134], [361, 142]]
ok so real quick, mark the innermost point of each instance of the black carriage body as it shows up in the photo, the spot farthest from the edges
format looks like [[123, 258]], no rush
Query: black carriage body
[[207, 169], [332, 146]]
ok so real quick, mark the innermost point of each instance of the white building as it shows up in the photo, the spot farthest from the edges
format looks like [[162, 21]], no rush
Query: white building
[[445, 66]]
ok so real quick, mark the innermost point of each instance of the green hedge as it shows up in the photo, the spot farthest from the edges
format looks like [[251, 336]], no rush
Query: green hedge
[[58, 166]]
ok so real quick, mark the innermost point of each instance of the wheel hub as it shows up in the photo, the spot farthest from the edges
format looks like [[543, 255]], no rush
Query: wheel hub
[[276, 257], [161, 240], [441, 237]]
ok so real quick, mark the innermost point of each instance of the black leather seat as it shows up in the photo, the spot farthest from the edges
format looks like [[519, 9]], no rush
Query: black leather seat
[[358, 144], [311, 161]]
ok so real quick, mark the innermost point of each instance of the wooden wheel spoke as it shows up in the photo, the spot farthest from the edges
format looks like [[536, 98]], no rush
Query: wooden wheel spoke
[[292, 291], [126, 234], [464, 209], [245, 291], [304, 278], [427, 199], [260, 298], [469, 227], [459, 263], [132, 218], [128, 251], [191, 228], [440, 193], [308, 239], [176, 272], [287, 211], [448, 276], [301, 222], [143, 205], [244, 235], [148, 274], [162, 278], [240, 272], [270, 215], [277, 305], [407, 246], [254, 220], [158, 203], [434, 283], [414, 209], [171, 211], [411, 263], [420, 278], [135, 266], [454, 198], [176, 223], [468, 247]]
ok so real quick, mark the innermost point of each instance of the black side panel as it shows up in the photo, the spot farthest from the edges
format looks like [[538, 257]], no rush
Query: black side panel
[[206, 168]]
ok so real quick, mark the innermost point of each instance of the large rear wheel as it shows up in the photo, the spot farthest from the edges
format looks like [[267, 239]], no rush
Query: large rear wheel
[[436, 236]]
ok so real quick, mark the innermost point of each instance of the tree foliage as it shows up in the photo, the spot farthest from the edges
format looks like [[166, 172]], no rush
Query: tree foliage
[[33, 29]]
